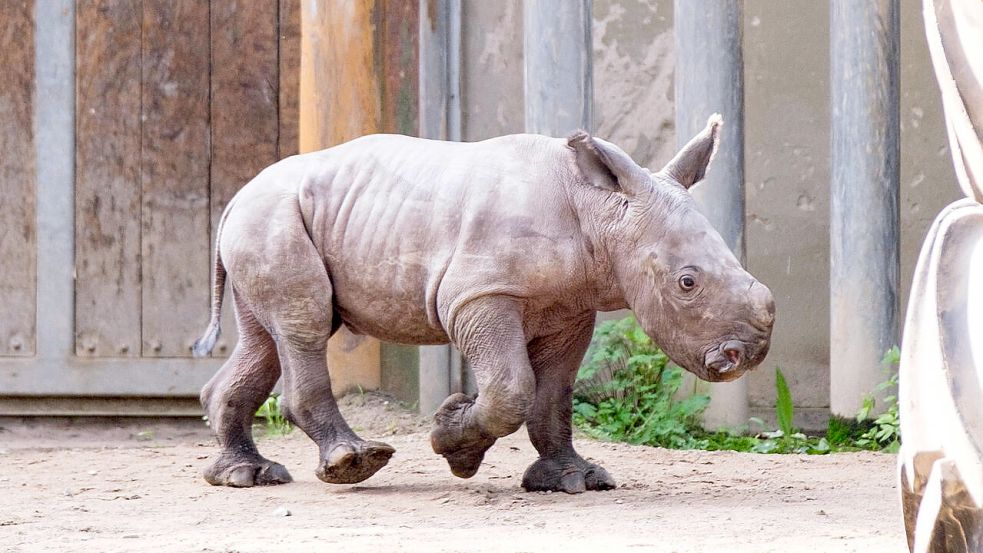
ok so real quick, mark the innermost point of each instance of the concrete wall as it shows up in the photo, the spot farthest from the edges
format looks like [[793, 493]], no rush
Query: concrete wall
[[787, 145], [787, 126]]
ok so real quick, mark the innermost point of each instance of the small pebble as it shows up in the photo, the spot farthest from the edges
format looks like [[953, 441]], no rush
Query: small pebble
[[281, 512], [93, 472]]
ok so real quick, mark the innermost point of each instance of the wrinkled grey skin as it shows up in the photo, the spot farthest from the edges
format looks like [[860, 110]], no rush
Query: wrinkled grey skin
[[507, 248]]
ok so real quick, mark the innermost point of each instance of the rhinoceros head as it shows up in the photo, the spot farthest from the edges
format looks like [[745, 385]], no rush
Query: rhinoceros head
[[688, 291]]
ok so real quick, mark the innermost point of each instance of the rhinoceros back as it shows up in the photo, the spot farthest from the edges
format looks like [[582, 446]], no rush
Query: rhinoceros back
[[408, 228]]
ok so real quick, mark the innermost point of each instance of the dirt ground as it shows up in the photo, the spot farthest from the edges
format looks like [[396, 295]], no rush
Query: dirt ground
[[135, 486]]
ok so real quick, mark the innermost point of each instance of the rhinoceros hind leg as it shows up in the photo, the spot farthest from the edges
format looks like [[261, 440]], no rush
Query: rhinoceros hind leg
[[283, 278], [231, 399], [245, 471], [353, 462]]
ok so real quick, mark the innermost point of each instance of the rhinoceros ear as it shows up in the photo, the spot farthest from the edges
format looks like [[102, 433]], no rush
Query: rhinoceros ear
[[690, 164], [605, 165]]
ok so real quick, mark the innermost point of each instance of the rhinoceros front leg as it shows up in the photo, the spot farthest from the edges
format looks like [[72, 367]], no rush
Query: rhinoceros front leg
[[555, 360], [489, 333]]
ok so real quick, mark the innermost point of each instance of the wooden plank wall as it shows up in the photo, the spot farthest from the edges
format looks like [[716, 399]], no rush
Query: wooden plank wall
[[180, 103], [289, 78], [174, 174], [18, 262], [107, 178]]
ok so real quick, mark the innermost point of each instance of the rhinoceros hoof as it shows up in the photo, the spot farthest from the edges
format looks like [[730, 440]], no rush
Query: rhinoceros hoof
[[353, 462], [238, 472], [464, 459], [463, 446], [570, 477]]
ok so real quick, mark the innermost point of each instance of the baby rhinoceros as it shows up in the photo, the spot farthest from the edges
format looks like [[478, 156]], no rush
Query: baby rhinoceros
[[506, 248]]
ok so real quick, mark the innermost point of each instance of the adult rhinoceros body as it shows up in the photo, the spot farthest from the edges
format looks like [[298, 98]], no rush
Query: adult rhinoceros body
[[507, 248]]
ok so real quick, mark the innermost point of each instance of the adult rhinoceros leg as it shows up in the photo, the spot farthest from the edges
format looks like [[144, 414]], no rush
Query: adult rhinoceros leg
[[231, 398], [555, 360], [489, 333]]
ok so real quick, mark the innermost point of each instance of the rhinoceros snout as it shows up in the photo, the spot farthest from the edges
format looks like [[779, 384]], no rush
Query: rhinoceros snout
[[762, 307]]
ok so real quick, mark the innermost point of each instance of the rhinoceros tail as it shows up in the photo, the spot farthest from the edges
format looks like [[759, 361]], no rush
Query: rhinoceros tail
[[204, 345]]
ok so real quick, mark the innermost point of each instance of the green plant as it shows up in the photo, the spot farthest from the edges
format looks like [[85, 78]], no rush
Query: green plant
[[843, 432], [885, 430], [786, 438], [626, 390], [276, 423]]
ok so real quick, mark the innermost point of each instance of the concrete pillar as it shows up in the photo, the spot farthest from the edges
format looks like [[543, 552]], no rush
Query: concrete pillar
[[440, 118], [339, 101], [864, 235], [710, 79], [559, 88]]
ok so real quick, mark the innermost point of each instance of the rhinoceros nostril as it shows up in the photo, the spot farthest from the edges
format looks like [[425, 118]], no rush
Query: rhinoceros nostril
[[734, 351]]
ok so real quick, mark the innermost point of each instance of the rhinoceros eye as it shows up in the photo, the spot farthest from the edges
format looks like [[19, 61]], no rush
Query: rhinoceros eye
[[687, 283]]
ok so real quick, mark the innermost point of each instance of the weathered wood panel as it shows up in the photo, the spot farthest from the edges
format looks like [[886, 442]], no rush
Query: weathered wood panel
[[174, 173], [398, 35], [18, 268], [107, 182], [339, 88], [244, 105], [289, 77]]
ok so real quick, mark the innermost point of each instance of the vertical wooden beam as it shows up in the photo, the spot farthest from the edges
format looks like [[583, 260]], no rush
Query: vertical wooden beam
[[54, 125], [340, 100], [864, 231], [107, 178], [175, 173], [339, 81], [243, 109], [710, 79], [18, 241], [559, 90], [289, 61]]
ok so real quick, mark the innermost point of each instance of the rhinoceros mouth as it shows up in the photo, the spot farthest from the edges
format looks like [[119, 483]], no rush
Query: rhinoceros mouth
[[727, 361]]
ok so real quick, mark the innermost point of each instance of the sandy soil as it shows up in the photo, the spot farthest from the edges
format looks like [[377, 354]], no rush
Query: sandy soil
[[135, 486]]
